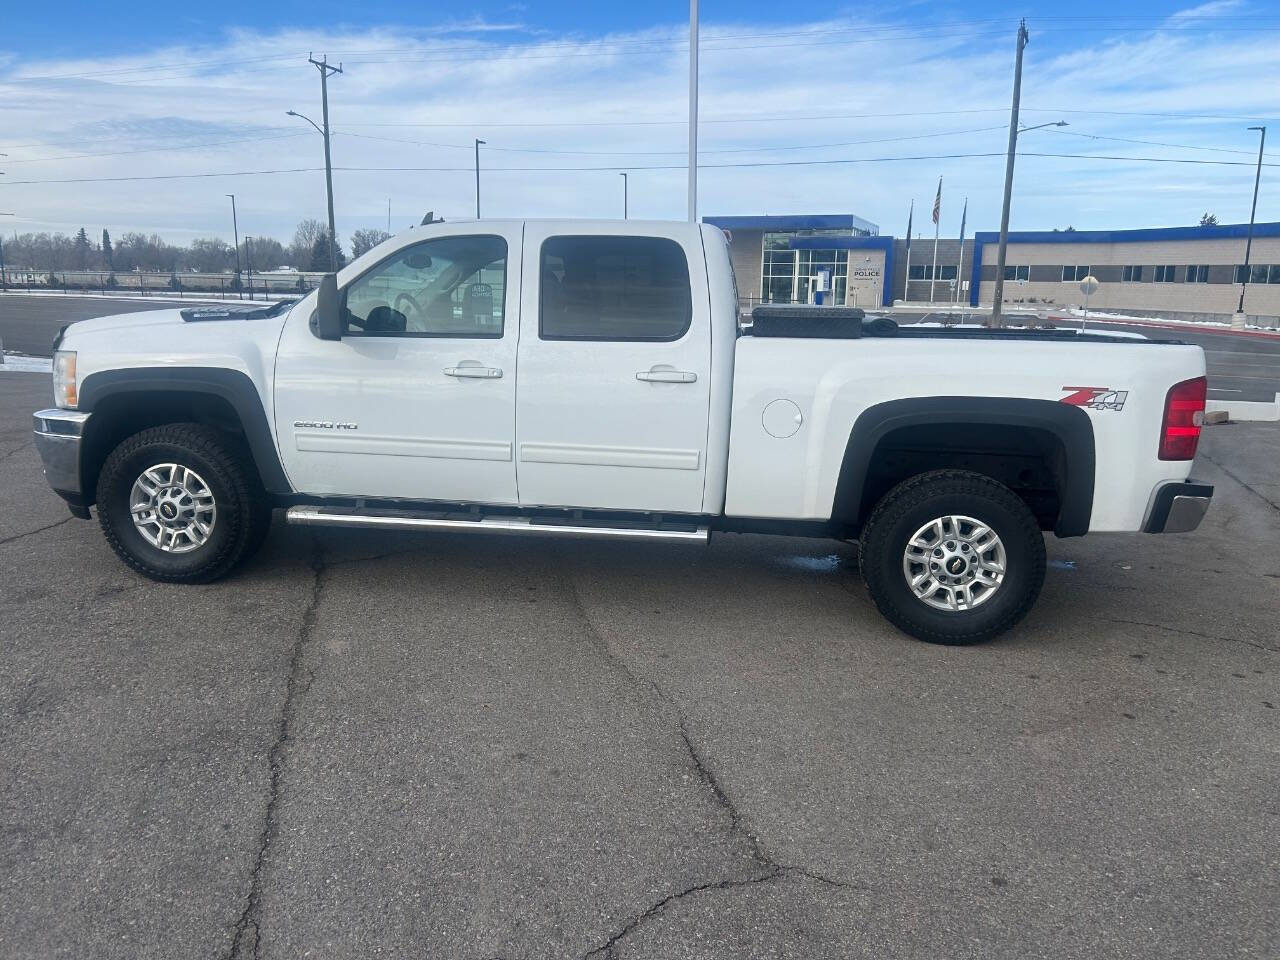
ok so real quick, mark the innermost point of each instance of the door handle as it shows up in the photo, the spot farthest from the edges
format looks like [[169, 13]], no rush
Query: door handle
[[473, 373], [667, 376]]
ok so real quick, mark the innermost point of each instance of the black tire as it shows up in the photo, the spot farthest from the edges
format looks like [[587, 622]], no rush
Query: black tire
[[916, 502], [223, 462]]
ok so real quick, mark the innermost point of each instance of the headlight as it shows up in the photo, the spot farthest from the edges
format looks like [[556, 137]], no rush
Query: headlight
[[64, 380]]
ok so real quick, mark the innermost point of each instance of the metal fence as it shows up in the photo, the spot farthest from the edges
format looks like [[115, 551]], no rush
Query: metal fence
[[248, 286]]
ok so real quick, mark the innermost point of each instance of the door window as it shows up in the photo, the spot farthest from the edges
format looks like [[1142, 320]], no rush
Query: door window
[[447, 287], [614, 288]]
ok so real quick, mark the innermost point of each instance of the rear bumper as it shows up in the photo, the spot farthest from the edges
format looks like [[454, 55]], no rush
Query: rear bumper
[[58, 438], [1178, 507]]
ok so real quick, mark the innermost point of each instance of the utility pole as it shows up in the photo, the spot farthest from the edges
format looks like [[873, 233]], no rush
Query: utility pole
[[478, 144], [624, 195], [998, 296], [1253, 212], [693, 111], [235, 232], [326, 69]]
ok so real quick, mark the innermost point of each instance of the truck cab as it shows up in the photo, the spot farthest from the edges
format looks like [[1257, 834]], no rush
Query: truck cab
[[520, 364]]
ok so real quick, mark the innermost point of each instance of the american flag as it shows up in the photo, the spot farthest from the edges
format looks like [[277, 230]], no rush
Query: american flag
[[937, 202]]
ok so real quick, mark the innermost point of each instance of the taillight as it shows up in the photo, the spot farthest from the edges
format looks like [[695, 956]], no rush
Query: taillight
[[1183, 418]]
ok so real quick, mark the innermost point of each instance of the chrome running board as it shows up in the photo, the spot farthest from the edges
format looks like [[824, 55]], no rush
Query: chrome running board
[[534, 526]]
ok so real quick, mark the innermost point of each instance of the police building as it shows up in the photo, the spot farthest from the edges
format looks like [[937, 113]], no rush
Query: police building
[[1193, 272]]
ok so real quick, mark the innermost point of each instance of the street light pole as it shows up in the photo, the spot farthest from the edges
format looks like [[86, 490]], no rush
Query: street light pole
[[235, 232], [1248, 244], [478, 143], [998, 295], [693, 111], [624, 195]]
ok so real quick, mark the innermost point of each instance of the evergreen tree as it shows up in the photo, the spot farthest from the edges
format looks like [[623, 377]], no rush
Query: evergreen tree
[[1208, 219], [320, 255], [106, 249], [80, 249]]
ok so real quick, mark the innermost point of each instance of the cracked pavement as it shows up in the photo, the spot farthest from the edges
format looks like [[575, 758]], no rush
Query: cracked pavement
[[442, 746]]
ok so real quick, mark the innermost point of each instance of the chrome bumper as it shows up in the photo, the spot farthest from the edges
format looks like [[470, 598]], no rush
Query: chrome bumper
[[58, 436], [1178, 507]]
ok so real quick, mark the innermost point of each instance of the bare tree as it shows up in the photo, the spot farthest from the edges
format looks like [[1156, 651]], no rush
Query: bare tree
[[363, 241], [304, 241]]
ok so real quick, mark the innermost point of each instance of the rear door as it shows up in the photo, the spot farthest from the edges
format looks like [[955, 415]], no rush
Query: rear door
[[614, 357]]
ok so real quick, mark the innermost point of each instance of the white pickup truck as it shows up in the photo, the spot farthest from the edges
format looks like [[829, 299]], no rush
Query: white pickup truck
[[592, 379]]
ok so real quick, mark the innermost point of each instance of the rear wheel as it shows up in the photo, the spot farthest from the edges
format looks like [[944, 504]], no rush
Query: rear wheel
[[953, 557], [182, 503]]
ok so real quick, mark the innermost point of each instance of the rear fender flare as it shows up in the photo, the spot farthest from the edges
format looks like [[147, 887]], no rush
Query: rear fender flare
[[1070, 425]]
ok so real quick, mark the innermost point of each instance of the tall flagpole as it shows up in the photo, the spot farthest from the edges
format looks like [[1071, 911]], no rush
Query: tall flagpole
[[693, 111], [960, 269], [937, 217], [906, 284]]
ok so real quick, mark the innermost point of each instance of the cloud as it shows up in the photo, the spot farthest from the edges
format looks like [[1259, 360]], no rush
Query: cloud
[[409, 104], [1214, 8]]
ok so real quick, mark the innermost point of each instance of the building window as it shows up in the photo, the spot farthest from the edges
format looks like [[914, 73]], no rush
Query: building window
[[1131, 274], [1166, 274], [1020, 272], [924, 271], [1257, 273], [1071, 274], [778, 269], [1198, 273], [1274, 276]]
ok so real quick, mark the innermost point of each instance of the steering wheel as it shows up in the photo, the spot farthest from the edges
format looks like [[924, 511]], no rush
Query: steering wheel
[[405, 299]]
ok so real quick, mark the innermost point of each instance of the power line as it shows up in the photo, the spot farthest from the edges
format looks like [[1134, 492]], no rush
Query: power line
[[655, 167], [670, 153], [1147, 143]]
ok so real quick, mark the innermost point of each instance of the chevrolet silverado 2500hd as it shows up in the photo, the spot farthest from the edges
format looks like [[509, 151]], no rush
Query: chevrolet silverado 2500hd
[[592, 379]]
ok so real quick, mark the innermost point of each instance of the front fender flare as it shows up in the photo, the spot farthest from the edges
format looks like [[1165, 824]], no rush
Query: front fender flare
[[232, 386]]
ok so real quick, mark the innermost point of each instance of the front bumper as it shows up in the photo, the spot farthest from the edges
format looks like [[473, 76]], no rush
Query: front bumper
[[59, 437], [1178, 507]]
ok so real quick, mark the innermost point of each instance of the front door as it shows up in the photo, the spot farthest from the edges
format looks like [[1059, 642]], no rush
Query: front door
[[615, 356], [417, 400]]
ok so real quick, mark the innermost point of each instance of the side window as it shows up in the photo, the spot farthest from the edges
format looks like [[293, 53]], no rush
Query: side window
[[447, 287], [613, 288]]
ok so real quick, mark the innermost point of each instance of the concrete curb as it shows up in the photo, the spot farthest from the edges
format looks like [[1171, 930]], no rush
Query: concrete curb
[[1250, 410]]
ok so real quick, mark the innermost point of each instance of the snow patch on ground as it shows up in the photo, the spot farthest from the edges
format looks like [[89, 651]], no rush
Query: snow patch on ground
[[21, 363], [1108, 317]]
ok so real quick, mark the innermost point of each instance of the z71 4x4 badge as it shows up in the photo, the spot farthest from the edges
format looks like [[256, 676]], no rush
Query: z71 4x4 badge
[[1099, 398]]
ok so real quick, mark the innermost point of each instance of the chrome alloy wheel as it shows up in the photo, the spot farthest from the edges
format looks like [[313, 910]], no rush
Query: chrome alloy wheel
[[954, 563], [173, 508]]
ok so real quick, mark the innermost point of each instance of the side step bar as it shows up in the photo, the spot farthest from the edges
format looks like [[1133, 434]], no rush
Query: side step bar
[[384, 520]]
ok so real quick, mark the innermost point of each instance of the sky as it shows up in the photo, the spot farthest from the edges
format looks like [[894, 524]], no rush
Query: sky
[[143, 118]]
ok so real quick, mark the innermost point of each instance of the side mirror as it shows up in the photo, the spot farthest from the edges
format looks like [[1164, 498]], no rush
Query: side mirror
[[327, 322]]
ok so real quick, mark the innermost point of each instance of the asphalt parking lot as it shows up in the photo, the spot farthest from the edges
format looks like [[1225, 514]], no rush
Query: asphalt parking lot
[[466, 747], [1240, 366], [28, 324]]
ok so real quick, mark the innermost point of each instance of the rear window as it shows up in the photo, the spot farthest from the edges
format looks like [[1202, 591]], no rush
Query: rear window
[[614, 288]]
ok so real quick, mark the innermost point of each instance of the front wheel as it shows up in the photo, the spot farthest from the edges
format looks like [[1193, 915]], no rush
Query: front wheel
[[953, 557], [182, 503]]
